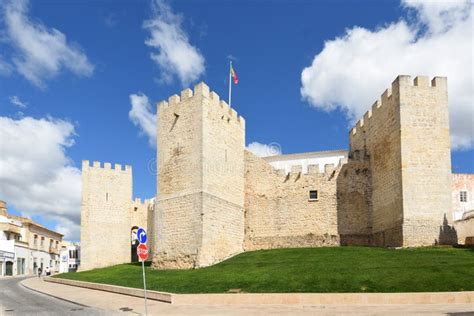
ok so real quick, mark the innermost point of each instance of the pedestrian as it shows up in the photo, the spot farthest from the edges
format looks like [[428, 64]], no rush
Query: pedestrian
[[39, 272], [48, 271]]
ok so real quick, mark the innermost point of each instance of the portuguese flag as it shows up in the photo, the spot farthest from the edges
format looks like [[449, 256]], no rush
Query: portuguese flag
[[233, 74]]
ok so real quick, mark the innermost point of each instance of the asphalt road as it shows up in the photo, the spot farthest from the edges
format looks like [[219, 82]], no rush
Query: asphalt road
[[18, 300]]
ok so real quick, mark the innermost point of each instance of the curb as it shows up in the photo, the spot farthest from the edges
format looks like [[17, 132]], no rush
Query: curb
[[424, 298], [151, 295], [361, 299], [51, 295]]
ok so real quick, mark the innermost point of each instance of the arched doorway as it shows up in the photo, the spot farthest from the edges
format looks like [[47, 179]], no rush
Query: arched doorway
[[134, 242], [9, 268]]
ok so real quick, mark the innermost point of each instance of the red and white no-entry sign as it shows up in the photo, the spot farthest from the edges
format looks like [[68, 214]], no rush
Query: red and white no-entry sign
[[142, 252]]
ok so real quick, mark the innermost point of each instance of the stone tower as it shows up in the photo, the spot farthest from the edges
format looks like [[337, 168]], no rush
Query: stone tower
[[105, 215], [200, 199], [405, 140]]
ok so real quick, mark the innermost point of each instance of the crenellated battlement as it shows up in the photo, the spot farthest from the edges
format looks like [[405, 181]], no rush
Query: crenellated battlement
[[138, 202], [202, 90], [401, 83], [311, 170], [105, 166]]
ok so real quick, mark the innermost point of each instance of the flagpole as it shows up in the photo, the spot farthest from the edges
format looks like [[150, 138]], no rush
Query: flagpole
[[230, 84]]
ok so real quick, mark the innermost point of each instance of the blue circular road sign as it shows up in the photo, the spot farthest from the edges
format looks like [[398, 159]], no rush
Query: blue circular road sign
[[141, 235]]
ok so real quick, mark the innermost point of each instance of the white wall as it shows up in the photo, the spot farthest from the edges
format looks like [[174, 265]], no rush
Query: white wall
[[66, 261], [304, 162], [7, 253], [22, 252]]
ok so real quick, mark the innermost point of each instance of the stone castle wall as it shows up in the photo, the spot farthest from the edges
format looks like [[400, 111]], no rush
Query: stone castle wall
[[142, 215], [139, 213], [426, 161], [406, 139], [278, 212], [465, 230], [377, 137], [199, 209], [215, 199], [223, 180], [354, 201], [105, 215], [179, 200]]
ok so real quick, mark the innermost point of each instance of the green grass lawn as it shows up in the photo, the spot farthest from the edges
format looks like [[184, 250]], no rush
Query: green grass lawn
[[338, 269]]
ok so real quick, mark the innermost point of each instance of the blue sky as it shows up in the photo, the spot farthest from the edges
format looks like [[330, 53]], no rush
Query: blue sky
[[79, 88]]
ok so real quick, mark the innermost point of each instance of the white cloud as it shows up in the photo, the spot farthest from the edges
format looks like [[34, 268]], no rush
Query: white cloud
[[15, 100], [36, 175], [41, 52], [264, 150], [5, 68], [175, 56], [439, 16], [353, 70], [142, 116]]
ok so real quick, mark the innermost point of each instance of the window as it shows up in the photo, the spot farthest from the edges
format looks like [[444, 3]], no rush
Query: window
[[463, 196], [36, 240], [313, 195]]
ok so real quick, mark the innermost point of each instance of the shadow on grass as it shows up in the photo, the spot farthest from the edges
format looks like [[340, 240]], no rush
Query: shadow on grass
[[147, 264]]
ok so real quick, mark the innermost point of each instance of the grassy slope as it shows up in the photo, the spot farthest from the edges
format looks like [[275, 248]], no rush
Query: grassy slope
[[340, 269]]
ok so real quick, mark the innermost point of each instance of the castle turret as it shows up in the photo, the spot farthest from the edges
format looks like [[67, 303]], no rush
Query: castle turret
[[105, 215], [405, 138], [200, 199]]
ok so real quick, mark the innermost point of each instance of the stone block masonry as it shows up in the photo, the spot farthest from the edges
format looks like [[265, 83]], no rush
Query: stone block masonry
[[215, 199], [279, 212], [108, 214], [406, 140], [200, 199], [105, 216]]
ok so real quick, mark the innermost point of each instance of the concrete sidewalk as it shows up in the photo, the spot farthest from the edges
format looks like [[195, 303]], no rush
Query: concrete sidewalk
[[133, 305]]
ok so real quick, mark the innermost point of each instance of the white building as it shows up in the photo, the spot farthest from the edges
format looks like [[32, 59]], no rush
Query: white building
[[320, 159], [70, 255], [26, 246], [7, 257]]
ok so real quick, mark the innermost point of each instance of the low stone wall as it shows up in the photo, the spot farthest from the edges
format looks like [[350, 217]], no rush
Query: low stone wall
[[325, 298], [152, 295], [465, 231], [282, 298]]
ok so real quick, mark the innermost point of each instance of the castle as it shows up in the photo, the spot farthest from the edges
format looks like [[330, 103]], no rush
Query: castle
[[215, 199]]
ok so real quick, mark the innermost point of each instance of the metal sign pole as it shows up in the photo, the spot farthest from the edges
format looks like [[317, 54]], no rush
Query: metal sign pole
[[144, 285]]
